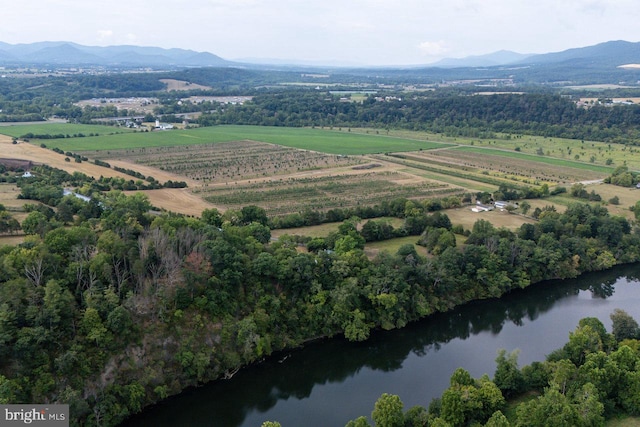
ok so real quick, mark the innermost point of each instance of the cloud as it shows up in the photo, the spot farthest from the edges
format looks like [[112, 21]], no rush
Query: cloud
[[104, 34], [438, 48], [131, 38]]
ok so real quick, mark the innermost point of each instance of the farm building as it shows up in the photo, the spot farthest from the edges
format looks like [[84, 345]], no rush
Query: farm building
[[479, 207], [503, 205], [163, 126]]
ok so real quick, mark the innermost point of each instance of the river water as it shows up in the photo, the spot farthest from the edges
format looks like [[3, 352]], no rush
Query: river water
[[333, 381]]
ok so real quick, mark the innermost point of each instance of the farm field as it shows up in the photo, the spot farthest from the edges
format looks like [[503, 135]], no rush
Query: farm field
[[513, 166], [392, 246], [290, 195], [465, 217], [324, 230], [7, 240], [227, 161], [514, 155], [324, 140], [627, 198], [72, 130], [8, 198], [179, 200], [287, 170], [40, 155], [173, 84], [560, 148], [624, 422]]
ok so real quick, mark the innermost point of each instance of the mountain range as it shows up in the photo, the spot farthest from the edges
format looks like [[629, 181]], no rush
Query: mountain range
[[604, 55], [72, 54]]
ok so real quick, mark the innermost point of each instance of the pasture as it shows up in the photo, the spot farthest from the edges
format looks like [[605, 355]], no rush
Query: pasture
[[559, 148], [70, 131], [374, 248], [466, 218], [9, 199], [323, 140]]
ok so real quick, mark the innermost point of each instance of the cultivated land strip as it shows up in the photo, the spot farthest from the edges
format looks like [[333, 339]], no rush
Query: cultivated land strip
[[287, 170]]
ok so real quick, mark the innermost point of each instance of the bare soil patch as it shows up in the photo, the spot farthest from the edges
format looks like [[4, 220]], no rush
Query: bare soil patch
[[179, 85], [466, 217], [133, 104], [179, 200], [14, 240], [13, 164], [9, 197], [219, 99], [29, 152]]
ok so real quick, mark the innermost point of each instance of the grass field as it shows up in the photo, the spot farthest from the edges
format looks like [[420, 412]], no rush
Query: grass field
[[323, 230], [392, 246], [560, 148], [625, 421], [466, 218], [61, 128], [324, 140]]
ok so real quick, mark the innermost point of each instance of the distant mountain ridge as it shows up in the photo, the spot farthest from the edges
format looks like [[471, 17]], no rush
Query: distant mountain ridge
[[502, 57], [617, 52], [68, 53], [603, 56]]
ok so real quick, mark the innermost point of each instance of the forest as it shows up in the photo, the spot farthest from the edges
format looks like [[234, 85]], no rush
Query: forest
[[109, 308]]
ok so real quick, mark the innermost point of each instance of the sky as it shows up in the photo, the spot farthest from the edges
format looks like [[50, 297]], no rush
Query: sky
[[331, 32]]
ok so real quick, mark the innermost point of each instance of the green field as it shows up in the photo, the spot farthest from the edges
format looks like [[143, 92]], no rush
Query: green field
[[559, 148], [393, 245], [60, 128], [539, 159], [327, 141]]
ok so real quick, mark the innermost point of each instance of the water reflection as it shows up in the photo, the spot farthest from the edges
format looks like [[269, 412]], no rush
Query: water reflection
[[296, 374]]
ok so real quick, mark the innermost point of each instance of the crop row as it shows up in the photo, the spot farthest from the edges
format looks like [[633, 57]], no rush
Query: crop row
[[296, 195], [423, 165], [526, 169], [232, 161]]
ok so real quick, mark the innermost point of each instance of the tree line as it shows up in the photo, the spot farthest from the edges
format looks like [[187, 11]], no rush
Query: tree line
[[455, 115]]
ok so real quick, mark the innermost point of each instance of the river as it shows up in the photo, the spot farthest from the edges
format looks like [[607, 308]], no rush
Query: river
[[333, 381]]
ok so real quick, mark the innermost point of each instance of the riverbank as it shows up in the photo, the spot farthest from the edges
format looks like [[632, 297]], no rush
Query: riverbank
[[414, 362]]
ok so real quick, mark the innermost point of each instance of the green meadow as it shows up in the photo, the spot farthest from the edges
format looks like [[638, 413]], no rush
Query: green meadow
[[327, 141], [60, 128]]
